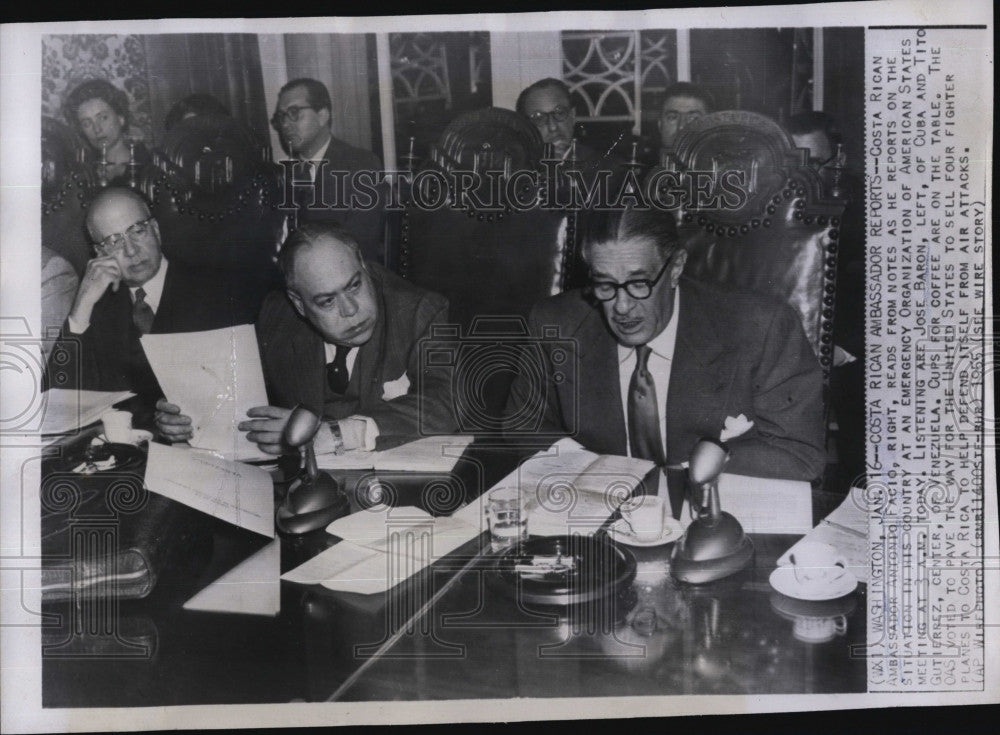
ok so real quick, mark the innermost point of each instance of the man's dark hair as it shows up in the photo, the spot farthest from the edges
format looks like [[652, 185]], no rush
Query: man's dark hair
[[622, 223], [547, 83], [686, 89], [100, 89], [196, 104], [305, 236], [316, 92], [815, 122]]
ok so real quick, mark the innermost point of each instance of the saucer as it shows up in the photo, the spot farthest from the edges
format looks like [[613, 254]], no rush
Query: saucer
[[619, 531], [783, 580]]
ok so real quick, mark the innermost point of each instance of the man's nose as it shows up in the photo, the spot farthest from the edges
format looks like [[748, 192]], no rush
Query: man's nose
[[623, 302], [551, 125], [348, 306]]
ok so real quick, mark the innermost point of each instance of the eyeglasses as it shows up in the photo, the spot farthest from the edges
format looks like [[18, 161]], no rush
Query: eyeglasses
[[113, 243], [639, 288], [289, 113], [559, 114]]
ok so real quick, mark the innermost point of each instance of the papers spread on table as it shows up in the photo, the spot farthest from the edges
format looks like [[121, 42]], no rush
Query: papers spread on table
[[568, 489], [846, 529], [763, 505], [215, 377], [253, 587], [382, 547], [230, 491], [68, 411], [429, 454]]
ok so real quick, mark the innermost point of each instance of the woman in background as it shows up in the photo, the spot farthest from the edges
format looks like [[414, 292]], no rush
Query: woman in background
[[99, 111]]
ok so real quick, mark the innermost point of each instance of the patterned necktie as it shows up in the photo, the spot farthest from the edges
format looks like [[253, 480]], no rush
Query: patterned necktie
[[337, 376], [142, 313], [643, 412]]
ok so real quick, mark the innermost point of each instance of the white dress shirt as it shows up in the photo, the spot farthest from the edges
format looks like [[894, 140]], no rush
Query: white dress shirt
[[661, 359], [371, 428]]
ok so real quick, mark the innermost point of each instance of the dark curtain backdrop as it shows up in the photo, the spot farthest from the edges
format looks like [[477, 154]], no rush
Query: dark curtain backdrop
[[224, 65]]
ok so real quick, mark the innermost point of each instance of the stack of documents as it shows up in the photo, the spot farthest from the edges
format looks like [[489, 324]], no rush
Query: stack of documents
[[382, 547], [67, 411]]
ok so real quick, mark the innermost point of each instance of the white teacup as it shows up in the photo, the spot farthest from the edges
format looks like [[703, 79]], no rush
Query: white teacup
[[117, 426], [819, 630], [644, 516], [817, 564]]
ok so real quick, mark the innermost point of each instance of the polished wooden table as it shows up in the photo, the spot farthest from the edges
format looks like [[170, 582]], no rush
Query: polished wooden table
[[450, 632]]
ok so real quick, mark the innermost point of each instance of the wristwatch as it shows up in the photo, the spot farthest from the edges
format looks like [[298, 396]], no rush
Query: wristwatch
[[338, 438]]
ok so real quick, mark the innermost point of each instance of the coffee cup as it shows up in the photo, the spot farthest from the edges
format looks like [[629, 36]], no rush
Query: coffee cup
[[817, 564], [819, 630], [644, 516], [117, 426]]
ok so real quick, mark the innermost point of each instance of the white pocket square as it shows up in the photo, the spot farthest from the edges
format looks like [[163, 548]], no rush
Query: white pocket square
[[395, 388], [735, 426]]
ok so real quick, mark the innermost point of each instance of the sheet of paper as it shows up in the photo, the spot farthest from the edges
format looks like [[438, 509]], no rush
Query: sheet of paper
[[215, 377], [253, 587], [846, 529], [382, 547], [763, 505], [231, 491], [67, 411], [429, 454], [570, 489]]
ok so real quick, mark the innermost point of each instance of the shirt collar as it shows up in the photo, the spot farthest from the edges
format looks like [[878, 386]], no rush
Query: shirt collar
[[153, 288], [321, 153], [662, 344]]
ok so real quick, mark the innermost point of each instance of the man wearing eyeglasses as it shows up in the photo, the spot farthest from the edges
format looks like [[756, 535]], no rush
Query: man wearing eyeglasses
[[663, 361], [129, 289], [302, 118]]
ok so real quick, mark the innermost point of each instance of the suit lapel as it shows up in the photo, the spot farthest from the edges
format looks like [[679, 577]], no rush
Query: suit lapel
[[308, 365], [702, 372], [371, 355], [599, 397]]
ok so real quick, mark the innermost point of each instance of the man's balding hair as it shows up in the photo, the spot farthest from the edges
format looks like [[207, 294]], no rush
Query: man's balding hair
[[308, 235], [547, 83], [687, 89], [113, 194]]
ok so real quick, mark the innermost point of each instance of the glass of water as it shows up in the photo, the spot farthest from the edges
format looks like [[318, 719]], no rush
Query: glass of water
[[508, 517]]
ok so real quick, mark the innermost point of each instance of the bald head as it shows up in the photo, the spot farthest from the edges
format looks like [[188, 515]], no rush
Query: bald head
[[121, 226], [329, 284]]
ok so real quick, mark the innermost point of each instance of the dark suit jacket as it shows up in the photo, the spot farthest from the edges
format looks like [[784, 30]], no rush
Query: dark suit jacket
[[367, 224], [295, 364], [735, 353], [110, 354]]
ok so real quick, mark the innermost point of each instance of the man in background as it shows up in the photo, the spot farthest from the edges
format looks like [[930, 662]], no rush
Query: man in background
[[683, 103], [302, 118]]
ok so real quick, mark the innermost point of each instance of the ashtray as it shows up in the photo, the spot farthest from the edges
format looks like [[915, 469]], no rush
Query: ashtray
[[98, 458], [565, 570]]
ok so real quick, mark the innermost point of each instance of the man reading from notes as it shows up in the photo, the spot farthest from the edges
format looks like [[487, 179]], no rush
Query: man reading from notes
[[129, 289], [664, 361], [343, 340]]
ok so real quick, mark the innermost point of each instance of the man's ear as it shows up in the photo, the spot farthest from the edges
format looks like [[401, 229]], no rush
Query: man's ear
[[677, 267], [324, 116], [296, 301]]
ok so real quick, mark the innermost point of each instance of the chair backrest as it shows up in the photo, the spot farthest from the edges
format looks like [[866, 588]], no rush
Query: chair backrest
[[487, 261], [768, 227]]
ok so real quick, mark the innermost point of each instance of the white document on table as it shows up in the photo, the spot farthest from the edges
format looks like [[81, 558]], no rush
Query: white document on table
[[568, 489], [252, 587], [845, 529], [233, 492], [763, 505], [67, 410], [429, 454], [382, 547], [215, 377]]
